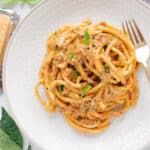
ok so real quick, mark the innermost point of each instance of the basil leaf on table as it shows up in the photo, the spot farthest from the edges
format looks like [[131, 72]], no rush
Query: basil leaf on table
[[10, 128], [31, 2], [6, 143], [8, 2]]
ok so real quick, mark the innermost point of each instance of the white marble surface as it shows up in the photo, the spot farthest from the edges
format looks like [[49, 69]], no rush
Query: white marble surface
[[23, 10]]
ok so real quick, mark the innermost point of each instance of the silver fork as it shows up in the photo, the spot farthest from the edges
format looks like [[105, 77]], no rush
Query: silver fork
[[142, 50]]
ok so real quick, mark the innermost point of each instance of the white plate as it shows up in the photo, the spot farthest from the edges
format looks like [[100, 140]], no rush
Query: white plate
[[25, 53]]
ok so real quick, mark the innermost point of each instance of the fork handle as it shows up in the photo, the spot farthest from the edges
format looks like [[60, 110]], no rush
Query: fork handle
[[147, 70]]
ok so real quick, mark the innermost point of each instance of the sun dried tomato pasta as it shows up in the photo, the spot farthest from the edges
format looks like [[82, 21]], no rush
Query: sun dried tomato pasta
[[89, 73]]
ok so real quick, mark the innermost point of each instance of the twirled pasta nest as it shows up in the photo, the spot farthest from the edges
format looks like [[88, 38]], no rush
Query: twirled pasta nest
[[89, 73]]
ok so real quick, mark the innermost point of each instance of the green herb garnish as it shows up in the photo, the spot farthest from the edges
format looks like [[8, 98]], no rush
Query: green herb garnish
[[13, 134], [60, 88], [70, 56], [86, 38], [56, 47], [85, 90], [106, 68], [75, 73]]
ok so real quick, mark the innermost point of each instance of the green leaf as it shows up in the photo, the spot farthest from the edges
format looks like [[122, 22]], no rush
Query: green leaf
[[60, 88], [33, 2], [85, 90], [106, 68], [22, 1], [70, 56], [86, 38], [10, 128], [75, 73], [8, 2], [29, 147], [6, 143]]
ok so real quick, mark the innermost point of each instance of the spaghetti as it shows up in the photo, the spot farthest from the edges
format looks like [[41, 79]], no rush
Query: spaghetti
[[89, 73]]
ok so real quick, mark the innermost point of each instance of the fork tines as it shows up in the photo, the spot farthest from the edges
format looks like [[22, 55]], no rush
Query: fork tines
[[132, 30]]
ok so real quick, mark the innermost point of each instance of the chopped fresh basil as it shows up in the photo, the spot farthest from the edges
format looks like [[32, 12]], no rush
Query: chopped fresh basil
[[75, 73], [60, 88], [70, 56], [86, 37], [56, 47], [106, 68], [85, 90]]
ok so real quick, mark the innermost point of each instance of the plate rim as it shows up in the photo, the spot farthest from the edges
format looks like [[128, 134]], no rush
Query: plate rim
[[22, 129]]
